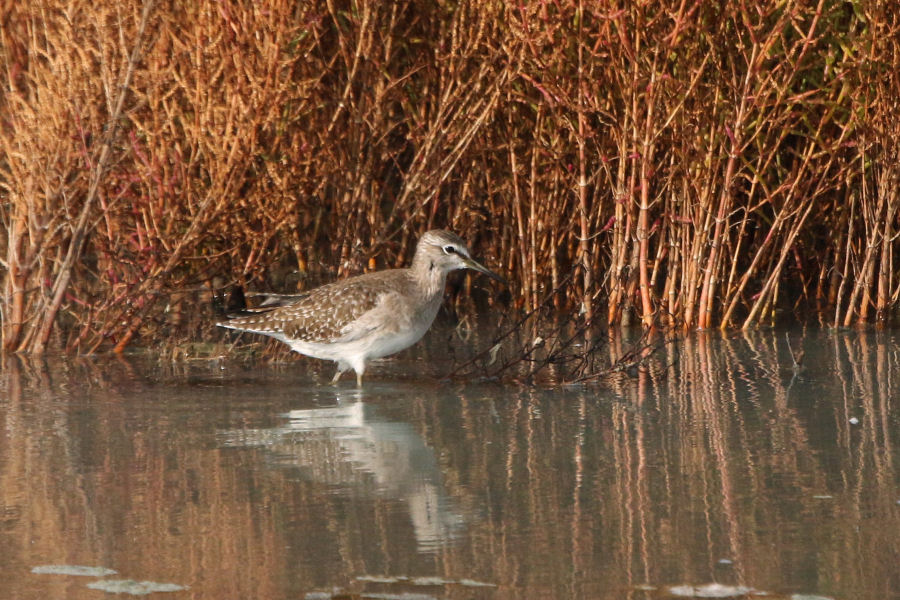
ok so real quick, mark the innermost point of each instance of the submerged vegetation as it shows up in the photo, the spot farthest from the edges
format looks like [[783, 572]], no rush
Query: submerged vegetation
[[677, 163]]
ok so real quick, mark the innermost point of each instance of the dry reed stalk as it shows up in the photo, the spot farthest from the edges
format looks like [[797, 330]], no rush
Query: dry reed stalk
[[584, 226]]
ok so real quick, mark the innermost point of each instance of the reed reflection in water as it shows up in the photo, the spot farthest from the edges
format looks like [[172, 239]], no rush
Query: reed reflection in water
[[721, 464]]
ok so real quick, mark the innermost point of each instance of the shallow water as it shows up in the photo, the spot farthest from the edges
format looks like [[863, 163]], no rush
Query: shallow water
[[263, 482]]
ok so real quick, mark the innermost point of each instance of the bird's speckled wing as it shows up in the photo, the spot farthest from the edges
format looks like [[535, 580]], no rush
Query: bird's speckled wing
[[328, 313]]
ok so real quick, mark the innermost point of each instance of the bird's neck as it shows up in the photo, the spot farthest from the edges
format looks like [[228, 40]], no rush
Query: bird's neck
[[429, 277]]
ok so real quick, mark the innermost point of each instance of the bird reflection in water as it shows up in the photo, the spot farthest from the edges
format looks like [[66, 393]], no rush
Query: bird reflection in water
[[348, 445]]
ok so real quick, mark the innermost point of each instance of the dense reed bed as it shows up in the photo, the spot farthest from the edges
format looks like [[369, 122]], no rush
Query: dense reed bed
[[675, 163]]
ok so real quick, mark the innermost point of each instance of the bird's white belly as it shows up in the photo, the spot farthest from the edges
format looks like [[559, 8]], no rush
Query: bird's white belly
[[372, 346], [385, 345], [379, 343]]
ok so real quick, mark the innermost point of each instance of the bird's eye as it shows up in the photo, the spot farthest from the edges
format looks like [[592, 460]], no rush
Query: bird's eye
[[449, 250]]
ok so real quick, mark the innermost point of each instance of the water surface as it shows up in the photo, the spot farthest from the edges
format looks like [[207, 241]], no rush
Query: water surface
[[261, 481]]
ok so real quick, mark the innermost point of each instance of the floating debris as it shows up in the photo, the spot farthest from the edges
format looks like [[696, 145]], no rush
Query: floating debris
[[430, 581], [718, 590], [379, 579], [423, 581], [709, 590], [854, 421], [135, 588], [473, 583], [77, 570], [402, 596], [338, 593]]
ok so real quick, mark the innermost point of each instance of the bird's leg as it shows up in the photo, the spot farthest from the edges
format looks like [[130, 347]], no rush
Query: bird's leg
[[341, 367], [360, 367]]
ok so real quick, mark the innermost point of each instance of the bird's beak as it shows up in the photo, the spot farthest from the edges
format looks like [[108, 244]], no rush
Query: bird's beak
[[473, 264]]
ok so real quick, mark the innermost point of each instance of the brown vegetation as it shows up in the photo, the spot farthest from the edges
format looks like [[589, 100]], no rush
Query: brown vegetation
[[694, 164]]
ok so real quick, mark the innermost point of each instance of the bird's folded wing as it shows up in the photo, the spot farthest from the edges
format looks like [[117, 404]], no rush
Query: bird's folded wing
[[329, 314]]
